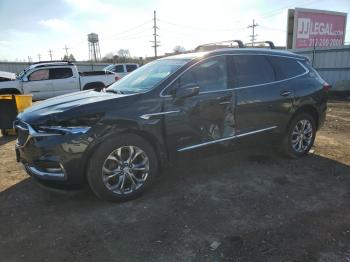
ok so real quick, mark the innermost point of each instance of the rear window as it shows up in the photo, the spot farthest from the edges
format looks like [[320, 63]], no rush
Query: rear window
[[285, 67], [60, 73], [313, 72], [130, 68], [251, 70]]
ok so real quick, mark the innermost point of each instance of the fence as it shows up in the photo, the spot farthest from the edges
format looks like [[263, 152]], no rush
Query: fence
[[17, 67], [332, 64]]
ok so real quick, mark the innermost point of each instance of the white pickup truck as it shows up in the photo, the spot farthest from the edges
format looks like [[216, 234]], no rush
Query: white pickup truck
[[49, 79]]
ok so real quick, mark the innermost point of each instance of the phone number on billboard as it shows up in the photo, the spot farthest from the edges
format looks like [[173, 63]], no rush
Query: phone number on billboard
[[325, 42]]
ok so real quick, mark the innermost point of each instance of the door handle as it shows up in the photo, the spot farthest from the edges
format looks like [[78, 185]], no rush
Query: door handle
[[285, 93]]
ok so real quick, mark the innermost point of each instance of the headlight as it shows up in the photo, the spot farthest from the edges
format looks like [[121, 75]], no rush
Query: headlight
[[64, 129]]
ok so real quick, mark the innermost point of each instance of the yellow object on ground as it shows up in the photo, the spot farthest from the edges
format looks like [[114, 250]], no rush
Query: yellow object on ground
[[22, 102]]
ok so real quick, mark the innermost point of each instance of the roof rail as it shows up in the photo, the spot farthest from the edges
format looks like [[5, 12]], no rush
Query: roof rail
[[270, 43], [220, 44], [52, 61]]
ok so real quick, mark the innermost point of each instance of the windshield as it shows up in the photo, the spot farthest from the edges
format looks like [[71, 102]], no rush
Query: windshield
[[20, 75], [108, 67], [148, 76]]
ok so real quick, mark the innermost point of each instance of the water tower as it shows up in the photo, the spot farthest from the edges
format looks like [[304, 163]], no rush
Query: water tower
[[94, 47]]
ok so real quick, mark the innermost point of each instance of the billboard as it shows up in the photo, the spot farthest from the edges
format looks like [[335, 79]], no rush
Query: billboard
[[308, 28]]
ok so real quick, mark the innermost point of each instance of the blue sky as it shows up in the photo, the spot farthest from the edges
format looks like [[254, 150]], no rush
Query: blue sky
[[35, 26]]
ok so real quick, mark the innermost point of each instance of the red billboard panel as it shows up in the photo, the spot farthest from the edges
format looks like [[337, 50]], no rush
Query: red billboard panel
[[318, 28]]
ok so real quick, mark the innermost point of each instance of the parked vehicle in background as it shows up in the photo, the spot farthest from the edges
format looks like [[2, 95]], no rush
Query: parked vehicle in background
[[117, 140], [7, 76], [48, 79], [122, 70]]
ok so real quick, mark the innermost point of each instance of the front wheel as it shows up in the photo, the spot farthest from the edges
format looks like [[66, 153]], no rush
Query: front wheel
[[122, 168], [300, 136]]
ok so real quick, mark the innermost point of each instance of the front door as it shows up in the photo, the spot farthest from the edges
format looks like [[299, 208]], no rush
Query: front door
[[39, 84], [205, 118]]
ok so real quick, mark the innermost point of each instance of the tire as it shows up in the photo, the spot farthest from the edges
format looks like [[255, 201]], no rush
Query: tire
[[127, 179], [291, 145]]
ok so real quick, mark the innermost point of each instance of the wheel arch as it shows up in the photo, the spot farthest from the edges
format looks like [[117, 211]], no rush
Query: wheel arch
[[6, 91], [94, 85], [308, 109], [159, 149]]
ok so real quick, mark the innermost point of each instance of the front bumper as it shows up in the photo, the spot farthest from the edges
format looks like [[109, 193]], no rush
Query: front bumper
[[52, 159]]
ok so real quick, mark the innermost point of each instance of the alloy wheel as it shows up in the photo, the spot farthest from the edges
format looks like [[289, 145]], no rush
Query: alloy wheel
[[125, 170], [302, 136]]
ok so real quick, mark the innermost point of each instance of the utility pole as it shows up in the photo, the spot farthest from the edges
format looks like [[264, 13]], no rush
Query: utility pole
[[50, 54], [39, 57], [155, 42], [29, 59], [253, 35], [66, 48]]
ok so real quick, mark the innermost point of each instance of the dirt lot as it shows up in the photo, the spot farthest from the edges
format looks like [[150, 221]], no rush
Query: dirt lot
[[246, 205]]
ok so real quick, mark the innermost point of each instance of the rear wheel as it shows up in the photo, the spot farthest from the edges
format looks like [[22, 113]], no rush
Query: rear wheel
[[300, 136], [122, 168]]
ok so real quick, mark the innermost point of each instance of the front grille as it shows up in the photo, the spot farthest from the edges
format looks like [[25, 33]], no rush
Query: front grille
[[22, 132]]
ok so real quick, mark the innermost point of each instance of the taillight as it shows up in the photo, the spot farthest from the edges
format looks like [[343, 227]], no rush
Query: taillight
[[116, 78], [326, 87]]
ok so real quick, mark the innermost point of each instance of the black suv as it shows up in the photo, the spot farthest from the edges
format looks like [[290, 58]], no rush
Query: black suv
[[117, 139]]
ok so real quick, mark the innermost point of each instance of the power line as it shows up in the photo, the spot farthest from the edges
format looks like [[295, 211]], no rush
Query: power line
[[273, 28], [253, 35], [275, 12], [132, 37], [155, 41], [198, 28], [135, 27]]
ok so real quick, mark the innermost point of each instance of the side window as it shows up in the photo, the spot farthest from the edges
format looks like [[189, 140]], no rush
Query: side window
[[285, 67], [252, 70], [60, 73], [41, 74], [119, 69], [130, 68], [210, 75]]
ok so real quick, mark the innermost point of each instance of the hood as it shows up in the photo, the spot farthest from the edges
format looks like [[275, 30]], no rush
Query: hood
[[9, 75], [83, 101]]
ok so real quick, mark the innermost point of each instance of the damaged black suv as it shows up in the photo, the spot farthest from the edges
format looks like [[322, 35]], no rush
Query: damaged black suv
[[117, 139]]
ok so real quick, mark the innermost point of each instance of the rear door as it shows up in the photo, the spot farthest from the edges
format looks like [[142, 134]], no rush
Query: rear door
[[204, 118], [38, 84], [263, 102], [63, 81]]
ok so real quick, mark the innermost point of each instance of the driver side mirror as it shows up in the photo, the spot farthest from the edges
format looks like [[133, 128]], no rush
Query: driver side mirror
[[25, 79], [186, 91]]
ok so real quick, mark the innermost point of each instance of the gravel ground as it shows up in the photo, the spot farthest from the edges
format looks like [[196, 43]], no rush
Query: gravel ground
[[249, 204]]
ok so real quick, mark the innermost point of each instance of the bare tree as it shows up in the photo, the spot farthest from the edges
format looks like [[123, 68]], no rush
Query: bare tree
[[179, 49], [123, 54]]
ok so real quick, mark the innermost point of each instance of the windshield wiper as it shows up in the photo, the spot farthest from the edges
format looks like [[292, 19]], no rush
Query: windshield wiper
[[114, 91]]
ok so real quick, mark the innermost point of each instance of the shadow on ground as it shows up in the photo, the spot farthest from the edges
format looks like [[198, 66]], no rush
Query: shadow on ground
[[6, 139], [255, 204]]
